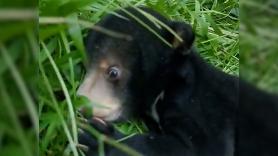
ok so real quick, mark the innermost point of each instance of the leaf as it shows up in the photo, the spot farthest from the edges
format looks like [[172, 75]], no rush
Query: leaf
[[76, 34], [73, 6], [51, 46]]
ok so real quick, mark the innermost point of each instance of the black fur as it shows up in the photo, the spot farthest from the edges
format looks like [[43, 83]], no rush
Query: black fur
[[204, 112]]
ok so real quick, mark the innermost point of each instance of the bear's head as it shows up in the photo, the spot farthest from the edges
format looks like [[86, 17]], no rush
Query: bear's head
[[128, 62]]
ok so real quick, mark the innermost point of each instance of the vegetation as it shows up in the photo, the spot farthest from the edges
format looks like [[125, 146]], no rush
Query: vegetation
[[60, 62], [258, 43], [19, 123], [63, 25]]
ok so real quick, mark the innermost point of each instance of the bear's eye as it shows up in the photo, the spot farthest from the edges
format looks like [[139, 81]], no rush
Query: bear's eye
[[113, 73]]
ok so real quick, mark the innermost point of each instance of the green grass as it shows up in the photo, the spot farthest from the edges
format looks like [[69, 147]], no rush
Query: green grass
[[258, 43], [47, 81], [18, 51], [63, 24]]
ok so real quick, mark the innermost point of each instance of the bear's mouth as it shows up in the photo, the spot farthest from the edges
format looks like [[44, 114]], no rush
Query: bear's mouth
[[99, 120], [102, 113], [108, 114]]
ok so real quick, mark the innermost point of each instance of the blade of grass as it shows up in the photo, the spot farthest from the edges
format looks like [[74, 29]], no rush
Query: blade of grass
[[86, 24], [126, 137], [67, 48], [101, 146], [66, 93], [152, 18], [110, 141], [11, 111], [61, 118], [146, 26], [22, 87], [9, 14]]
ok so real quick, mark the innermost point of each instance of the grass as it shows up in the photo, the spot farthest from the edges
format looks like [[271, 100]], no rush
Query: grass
[[19, 123], [258, 43], [62, 26]]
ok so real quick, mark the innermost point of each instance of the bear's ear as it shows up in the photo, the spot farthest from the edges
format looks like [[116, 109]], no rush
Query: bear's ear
[[183, 43]]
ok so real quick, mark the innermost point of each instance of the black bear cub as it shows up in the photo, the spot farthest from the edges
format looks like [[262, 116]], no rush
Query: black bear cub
[[191, 108]]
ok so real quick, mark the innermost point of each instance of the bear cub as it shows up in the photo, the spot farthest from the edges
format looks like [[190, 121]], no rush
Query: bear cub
[[191, 108]]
